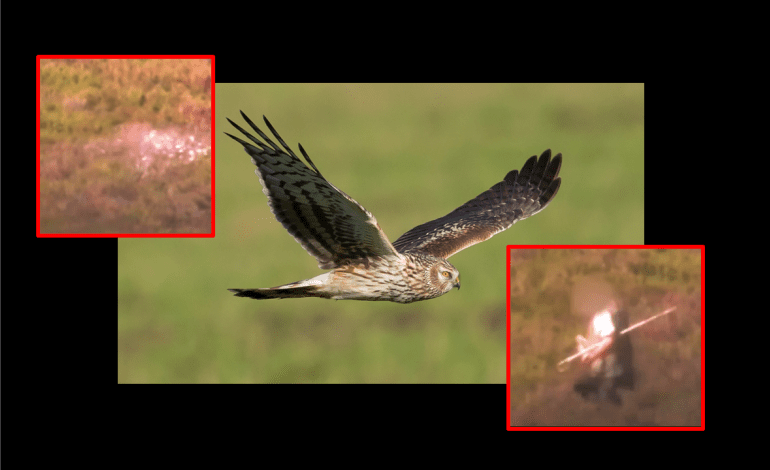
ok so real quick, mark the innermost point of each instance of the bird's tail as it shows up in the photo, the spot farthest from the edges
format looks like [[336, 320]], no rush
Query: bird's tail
[[278, 292], [307, 288]]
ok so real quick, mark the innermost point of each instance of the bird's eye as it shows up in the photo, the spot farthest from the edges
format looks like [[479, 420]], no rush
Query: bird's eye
[[445, 273]]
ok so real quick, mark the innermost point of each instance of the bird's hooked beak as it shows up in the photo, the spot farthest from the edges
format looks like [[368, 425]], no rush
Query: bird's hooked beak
[[457, 284]]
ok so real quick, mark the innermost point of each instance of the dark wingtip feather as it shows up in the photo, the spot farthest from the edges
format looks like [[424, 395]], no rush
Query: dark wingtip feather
[[245, 144], [549, 180], [542, 162], [511, 177], [526, 171], [249, 121], [268, 124], [272, 129], [550, 193], [307, 157], [554, 167]]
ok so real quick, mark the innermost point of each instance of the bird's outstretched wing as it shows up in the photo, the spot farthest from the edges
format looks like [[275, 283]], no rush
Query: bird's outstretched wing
[[520, 195], [328, 223]]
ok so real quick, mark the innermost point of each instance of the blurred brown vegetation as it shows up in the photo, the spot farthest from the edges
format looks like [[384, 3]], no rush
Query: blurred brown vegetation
[[549, 289], [94, 117]]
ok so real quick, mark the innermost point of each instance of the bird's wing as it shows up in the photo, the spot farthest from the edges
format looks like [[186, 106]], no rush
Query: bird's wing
[[520, 195], [328, 223]]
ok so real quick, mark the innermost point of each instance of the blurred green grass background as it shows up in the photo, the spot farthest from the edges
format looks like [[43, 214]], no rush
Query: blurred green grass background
[[409, 154]]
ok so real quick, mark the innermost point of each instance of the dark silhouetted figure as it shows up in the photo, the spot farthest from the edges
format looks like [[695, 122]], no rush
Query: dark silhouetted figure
[[612, 369]]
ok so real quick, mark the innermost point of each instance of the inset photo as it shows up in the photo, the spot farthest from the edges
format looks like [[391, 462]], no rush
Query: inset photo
[[605, 337], [124, 146]]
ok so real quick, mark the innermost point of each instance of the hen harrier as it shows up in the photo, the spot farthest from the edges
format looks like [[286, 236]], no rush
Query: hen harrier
[[345, 237]]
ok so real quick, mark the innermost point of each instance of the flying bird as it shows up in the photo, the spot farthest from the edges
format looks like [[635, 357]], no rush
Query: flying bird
[[346, 238]]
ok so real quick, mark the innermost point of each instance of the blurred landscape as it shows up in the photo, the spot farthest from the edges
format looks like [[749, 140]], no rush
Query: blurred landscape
[[553, 295], [125, 146]]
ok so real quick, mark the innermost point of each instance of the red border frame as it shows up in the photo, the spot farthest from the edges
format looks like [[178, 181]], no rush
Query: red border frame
[[702, 426], [134, 235]]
